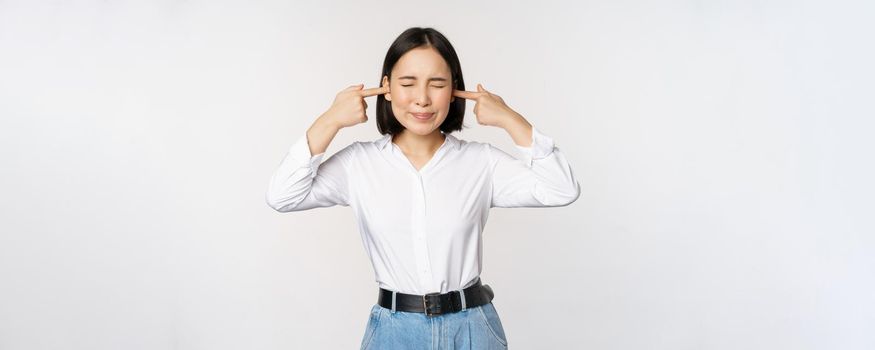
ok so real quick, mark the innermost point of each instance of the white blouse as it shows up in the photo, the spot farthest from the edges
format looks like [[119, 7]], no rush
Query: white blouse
[[422, 229]]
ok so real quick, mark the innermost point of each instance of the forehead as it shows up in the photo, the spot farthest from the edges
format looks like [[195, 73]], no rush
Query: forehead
[[422, 62]]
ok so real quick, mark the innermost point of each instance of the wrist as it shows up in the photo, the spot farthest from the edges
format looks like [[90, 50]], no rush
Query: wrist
[[326, 122], [515, 122]]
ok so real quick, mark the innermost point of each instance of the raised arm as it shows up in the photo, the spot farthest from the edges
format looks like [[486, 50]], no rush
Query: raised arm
[[542, 178], [303, 181]]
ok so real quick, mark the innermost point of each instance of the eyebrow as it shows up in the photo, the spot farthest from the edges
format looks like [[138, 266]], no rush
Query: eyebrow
[[430, 79]]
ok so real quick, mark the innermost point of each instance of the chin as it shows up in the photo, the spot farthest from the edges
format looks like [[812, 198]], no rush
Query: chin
[[421, 130]]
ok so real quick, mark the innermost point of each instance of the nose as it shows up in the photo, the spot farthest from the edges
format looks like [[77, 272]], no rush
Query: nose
[[422, 98]]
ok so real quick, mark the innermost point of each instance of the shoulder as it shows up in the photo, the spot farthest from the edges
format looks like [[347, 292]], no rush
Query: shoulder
[[475, 150], [345, 154], [467, 145], [373, 145], [367, 149], [473, 146]]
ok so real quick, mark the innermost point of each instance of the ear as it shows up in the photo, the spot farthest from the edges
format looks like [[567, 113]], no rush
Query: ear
[[388, 95]]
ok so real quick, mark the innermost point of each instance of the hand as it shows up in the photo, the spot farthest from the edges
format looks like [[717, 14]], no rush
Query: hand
[[490, 108], [349, 106]]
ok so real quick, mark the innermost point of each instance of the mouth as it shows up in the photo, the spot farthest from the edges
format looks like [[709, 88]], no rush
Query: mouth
[[423, 116]]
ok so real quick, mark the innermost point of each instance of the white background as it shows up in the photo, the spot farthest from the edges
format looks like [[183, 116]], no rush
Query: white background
[[724, 150]]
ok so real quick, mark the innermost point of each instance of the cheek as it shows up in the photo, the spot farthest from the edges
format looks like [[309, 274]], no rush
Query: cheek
[[401, 97], [443, 96], [398, 109]]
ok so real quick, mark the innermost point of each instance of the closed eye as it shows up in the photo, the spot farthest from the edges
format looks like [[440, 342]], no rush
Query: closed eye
[[432, 86]]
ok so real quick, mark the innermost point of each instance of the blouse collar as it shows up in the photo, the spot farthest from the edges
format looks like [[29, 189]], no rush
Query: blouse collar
[[451, 141]]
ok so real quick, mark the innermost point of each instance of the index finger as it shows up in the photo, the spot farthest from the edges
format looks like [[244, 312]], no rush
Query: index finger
[[374, 91], [471, 95]]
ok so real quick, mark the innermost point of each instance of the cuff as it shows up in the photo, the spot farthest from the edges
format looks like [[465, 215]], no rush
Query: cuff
[[300, 153], [542, 147]]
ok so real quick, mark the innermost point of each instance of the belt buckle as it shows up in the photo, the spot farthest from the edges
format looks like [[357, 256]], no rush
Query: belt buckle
[[425, 303]]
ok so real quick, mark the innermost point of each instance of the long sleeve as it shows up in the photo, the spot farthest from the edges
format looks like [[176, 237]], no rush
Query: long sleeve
[[543, 178], [302, 181]]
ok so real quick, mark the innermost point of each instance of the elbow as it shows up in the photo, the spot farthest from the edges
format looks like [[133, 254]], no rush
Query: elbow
[[574, 194], [272, 202], [274, 206], [278, 203]]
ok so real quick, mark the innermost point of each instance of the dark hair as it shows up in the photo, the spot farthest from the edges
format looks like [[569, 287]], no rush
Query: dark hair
[[410, 39]]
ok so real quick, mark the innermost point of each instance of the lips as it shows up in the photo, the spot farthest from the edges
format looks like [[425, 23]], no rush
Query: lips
[[422, 116]]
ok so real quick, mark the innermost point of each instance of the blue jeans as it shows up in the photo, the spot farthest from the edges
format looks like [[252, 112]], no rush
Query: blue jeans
[[473, 328]]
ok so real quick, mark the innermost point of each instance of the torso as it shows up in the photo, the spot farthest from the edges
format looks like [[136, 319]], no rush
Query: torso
[[422, 230], [418, 162]]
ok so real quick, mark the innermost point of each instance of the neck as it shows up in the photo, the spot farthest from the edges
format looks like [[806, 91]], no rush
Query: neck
[[415, 144]]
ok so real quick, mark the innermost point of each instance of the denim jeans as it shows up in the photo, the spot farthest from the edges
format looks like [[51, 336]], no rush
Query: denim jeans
[[473, 328]]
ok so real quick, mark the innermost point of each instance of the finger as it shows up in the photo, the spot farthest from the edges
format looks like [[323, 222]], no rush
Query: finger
[[375, 91], [480, 88], [354, 87], [471, 95]]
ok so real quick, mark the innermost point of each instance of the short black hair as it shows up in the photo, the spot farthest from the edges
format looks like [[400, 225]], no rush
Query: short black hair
[[410, 39]]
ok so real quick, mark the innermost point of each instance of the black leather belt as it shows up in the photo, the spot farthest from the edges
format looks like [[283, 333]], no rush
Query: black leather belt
[[435, 303]]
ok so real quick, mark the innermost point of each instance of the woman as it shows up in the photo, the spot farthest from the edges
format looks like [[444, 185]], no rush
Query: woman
[[421, 196]]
